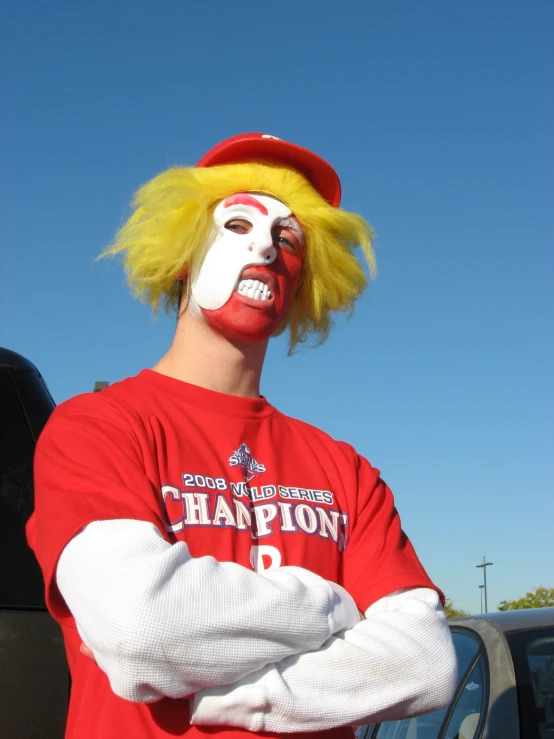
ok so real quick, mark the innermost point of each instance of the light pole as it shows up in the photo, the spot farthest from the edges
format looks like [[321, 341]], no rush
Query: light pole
[[484, 566], [481, 591]]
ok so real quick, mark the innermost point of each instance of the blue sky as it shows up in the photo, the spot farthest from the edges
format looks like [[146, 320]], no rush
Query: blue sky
[[438, 117]]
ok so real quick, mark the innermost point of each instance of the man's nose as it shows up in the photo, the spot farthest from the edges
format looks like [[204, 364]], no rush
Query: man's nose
[[263, 250]]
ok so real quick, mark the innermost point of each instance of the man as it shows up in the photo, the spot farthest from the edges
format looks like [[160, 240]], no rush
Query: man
[[208, 557]]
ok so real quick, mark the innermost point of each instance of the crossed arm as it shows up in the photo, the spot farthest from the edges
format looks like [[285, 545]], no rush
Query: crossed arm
[[279, 651]]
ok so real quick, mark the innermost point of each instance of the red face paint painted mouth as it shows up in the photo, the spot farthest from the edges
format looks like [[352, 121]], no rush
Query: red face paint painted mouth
[[257, 286]]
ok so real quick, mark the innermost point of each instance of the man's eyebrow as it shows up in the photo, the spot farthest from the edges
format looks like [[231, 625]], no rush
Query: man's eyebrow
[[292, 224], [243, 198]]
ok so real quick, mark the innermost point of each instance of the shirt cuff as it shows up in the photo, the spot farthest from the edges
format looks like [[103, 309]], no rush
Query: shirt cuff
[[245, 705]]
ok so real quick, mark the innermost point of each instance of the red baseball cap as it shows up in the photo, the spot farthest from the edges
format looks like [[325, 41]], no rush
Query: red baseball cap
[[248, 147]]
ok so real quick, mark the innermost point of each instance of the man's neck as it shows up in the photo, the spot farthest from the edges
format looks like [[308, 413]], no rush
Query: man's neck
[[202, 357]]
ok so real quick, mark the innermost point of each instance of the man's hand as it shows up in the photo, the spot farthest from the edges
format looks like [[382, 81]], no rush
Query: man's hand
[[87, 652]]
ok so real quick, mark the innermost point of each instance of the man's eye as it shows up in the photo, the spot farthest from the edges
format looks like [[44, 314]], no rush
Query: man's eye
[[239, 226], [284, 240]]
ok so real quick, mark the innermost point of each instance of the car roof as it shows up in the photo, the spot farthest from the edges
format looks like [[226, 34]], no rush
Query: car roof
[[525, 618], [12, 360]]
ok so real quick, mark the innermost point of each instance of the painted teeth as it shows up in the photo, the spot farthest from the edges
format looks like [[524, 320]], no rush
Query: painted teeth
[[254, 289]]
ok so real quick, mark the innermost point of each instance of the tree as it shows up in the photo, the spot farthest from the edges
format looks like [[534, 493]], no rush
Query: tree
[[452, 612], [538, 598]]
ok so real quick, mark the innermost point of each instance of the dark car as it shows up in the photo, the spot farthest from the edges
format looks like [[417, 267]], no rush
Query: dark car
[[33, 667], [505, 682]]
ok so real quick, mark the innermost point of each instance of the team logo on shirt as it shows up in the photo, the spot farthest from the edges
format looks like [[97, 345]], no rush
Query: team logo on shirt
[[243, 458]]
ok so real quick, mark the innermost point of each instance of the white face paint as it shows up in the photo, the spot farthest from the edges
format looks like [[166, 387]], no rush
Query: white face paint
[[232, 252]]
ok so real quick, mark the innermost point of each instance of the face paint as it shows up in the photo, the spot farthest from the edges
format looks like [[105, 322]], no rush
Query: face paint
[[247, 280], [231, 252]]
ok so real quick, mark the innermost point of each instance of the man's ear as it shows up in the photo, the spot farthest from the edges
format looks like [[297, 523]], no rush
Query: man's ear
[[183, 293]]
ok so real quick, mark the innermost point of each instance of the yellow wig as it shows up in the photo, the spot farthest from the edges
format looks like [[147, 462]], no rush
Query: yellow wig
[[171, 226]]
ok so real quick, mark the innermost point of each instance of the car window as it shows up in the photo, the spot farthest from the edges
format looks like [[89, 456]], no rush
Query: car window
[[20, 578], [532, 654], [540, 659], [429, 726], [466, 716]]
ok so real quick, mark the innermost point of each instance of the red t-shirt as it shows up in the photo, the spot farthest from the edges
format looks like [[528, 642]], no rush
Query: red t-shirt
[[235, 479]]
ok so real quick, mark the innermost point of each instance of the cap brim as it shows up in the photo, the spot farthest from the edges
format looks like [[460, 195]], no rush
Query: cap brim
[[255, 147]]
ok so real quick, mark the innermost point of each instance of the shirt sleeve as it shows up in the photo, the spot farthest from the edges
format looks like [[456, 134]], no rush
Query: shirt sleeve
[[398, 662], [378, 558], [88, 467]]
